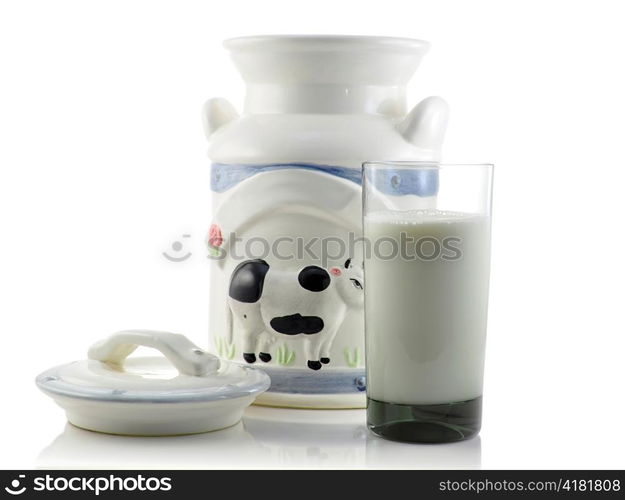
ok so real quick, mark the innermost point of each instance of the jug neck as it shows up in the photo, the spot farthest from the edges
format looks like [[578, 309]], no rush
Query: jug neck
[[270, 98], [329, 74]]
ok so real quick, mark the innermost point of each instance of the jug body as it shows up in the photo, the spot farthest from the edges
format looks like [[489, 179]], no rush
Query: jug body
[[286, 239]]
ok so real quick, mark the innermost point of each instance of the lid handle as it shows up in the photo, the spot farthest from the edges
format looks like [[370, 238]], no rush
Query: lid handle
[[188, 358]]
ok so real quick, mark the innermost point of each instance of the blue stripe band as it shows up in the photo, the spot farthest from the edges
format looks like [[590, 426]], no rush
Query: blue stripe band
[[389, 181], [226, 175], [297, 381]]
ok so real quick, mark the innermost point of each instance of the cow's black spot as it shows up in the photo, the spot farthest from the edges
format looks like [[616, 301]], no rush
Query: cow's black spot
[[348, 263], [265, 357], [296, 323], [246, 281], [325, 361], [314, 365], [250, 357], [314, 278]]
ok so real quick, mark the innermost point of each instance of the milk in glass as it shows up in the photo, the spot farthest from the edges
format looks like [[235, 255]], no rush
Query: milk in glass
[[426, 305]]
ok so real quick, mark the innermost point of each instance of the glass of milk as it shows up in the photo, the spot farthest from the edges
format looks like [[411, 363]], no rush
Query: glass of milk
[[427, 260]]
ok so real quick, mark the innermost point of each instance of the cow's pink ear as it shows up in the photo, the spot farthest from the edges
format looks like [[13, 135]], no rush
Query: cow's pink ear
[[335, 271]]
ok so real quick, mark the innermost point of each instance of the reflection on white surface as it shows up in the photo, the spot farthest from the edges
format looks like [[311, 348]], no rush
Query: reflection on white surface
[[267, 438], [383, 454]]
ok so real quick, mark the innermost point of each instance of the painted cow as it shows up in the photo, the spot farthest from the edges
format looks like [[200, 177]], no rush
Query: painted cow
[[310, 303]]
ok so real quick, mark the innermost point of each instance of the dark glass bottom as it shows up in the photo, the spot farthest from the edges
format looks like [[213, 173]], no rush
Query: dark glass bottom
[[439, 423]]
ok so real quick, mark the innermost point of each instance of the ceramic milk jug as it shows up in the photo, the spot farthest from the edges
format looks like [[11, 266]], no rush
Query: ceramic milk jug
[[285, 239]]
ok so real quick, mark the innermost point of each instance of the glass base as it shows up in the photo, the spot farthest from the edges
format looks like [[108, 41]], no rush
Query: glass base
[[438, 423]]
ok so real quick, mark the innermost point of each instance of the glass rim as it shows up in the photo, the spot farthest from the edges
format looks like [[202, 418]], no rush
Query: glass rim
[[422, 164]]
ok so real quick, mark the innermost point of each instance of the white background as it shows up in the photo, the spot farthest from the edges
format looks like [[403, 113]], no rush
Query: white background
[[103, 166]]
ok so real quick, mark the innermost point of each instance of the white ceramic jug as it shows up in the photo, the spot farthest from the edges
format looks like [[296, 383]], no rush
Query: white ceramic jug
[[286, 282]]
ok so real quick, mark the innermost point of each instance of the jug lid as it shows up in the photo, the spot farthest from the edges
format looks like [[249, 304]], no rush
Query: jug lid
[[188, 390]]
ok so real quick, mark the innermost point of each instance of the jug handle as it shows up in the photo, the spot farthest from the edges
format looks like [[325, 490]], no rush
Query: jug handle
[[216, 113], [426, 124]]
